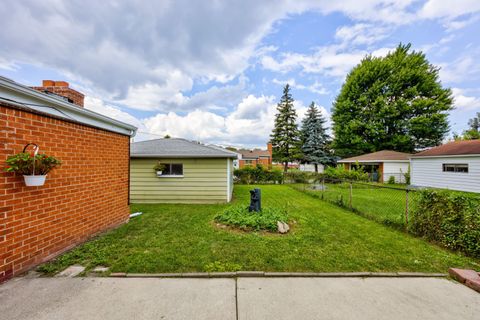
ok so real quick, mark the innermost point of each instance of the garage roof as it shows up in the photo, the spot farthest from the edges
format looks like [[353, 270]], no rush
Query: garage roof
[[177, 148], [455, 148], [379, 156]]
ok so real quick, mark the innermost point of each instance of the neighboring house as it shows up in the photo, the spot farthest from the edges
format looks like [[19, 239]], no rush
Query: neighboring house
[[381, 165], [194, 173], [255, 156], [455, 165], [86, 195]]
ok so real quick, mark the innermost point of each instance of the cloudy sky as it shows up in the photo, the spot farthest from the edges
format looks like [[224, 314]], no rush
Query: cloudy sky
[[214, 70]]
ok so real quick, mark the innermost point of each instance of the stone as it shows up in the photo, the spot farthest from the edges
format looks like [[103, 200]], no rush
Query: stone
[[463, 275], [100, 269], [71, 271], [282, 227], [473, 284]]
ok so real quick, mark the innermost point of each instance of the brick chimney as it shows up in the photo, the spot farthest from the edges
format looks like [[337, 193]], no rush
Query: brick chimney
[[61, 89], [269, 148]]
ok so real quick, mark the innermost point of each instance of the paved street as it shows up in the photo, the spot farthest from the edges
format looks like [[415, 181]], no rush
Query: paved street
[[244, 298]]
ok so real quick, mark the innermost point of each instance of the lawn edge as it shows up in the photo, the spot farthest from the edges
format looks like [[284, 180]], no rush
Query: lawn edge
[[262, 274]]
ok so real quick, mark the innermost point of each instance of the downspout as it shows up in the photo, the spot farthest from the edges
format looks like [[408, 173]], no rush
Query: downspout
[[129, 144]]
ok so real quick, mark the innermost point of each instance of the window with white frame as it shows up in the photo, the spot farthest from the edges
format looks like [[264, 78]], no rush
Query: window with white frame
[[455, 167]]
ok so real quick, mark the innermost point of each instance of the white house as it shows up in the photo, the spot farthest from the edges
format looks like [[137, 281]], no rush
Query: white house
[[381, 165], [455, 165]]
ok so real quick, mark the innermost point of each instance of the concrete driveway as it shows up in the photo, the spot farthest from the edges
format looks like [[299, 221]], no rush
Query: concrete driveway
[[242, 298]]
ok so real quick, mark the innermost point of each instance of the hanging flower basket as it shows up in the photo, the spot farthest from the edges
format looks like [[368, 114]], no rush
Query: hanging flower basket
[[34, 181], [158, 168], [32, 165]]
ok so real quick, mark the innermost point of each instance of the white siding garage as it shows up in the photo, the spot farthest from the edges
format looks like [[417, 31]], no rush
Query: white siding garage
[[395, 169], [432, 172], [455, 166]]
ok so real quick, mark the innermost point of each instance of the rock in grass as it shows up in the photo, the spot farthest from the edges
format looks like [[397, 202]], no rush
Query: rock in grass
[[282, 227]]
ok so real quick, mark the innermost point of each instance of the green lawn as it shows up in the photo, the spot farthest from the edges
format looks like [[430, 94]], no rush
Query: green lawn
[[325, 238], [385, 204]]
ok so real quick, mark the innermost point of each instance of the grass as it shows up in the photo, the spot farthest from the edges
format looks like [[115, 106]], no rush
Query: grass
[[384, 204], [326, 238]]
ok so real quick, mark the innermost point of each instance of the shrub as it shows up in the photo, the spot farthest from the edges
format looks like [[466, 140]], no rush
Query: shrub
[[340, 173], [391, 180], [449, 218], [297, 176], [258, 174], [240, 217], [406, 175]]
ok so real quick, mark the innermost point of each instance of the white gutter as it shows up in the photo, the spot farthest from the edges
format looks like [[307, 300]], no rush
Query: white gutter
[[173, 156], [368, 161], [447, 156], [24, 97]]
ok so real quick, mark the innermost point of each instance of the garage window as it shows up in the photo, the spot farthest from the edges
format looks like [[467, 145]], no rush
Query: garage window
[[455, 167], [173, 170]]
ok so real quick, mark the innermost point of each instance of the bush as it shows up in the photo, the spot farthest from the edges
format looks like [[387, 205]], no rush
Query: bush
[[449, 218], [297, 176], [258, 174], [240, 217], [406, 175], [340, 173], [391, 180]]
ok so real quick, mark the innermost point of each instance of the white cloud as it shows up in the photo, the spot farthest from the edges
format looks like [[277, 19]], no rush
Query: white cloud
[[448, 8], [361, 34], [250, 123], [315, 87], [329, 60], [463, 68], [463, 102]]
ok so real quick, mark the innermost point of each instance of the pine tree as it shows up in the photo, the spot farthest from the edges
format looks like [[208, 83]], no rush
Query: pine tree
[[285, 137], [315, 138]]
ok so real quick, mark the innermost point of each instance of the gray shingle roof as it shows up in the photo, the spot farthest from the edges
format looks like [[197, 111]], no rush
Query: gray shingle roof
[[177, 148]]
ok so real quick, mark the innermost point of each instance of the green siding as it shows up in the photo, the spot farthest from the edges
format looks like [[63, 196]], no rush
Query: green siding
[[203, 181]]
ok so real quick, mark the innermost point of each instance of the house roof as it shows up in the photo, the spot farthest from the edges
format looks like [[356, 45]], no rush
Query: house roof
[[455, 148], [177, 148], [379, 156], [253, 154], [25, 98]]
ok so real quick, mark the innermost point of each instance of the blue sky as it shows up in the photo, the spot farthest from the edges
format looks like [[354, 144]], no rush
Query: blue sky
[[214, 71]]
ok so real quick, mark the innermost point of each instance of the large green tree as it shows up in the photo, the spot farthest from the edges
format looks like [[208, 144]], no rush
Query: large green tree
[[394, 102], [315, 139], [285, 137]]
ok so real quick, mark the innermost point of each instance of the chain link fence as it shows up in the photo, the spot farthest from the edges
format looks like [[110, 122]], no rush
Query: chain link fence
[[388, 204]]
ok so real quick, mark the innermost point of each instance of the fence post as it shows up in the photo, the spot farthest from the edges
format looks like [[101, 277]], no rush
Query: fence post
[[351, 195], [323, 186], [406, 207]]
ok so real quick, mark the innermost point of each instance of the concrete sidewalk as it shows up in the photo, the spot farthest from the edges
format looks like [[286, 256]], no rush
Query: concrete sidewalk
[[241, 298]]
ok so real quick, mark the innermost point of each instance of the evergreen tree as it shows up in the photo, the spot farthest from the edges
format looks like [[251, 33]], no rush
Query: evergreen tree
[[315, 138], [285, 137], [394, 102]]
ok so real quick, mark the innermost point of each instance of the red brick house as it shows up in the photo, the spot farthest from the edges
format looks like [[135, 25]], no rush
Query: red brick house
[[88, 194], [255, 156]]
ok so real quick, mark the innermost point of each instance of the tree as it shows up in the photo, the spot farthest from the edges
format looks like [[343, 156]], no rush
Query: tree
[[473, 133], [395, 102], [315, 138], [285, 137]]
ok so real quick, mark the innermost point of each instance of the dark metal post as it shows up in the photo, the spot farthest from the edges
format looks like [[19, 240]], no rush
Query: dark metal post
[[406, 207], [351, 195]]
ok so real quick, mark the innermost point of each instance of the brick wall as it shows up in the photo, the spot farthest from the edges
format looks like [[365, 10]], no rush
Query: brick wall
[[86, 195]]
